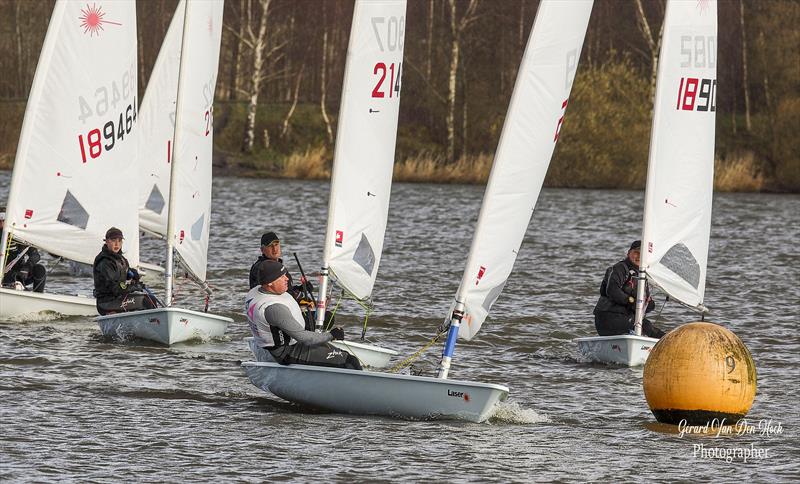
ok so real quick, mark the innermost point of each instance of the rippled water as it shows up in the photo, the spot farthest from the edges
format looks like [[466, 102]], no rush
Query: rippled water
[[76, 406]]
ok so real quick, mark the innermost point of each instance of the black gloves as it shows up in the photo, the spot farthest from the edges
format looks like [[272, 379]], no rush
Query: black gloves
[[134, 274], [337, 333]]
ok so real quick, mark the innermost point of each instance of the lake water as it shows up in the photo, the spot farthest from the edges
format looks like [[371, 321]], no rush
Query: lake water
[[78, 407]]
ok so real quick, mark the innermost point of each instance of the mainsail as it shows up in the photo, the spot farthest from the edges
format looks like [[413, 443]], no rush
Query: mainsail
[[157, 129], [190, 181], [76, 161], [529, 136], [680, 173], [365, 143]]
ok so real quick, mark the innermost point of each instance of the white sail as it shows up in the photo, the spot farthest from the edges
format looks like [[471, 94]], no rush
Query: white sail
[[190, 194], [529, 136], [75, 169], [157, 129], [680, 174], [365, 143]]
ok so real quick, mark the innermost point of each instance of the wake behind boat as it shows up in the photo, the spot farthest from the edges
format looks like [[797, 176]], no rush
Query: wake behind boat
[[680, 178], [526, 147], [189, 207]]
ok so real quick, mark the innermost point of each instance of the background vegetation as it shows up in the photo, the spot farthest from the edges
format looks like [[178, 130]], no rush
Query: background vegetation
[[282, 64]]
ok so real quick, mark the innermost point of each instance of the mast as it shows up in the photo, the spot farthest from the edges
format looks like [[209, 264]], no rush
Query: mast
[[169, 267]]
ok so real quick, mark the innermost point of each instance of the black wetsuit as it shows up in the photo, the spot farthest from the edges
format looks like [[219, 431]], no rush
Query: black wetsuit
[[614, 313], [113, 293], [27, 270]]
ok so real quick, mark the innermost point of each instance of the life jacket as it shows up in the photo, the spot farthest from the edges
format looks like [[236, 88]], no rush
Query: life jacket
[[256, 302]]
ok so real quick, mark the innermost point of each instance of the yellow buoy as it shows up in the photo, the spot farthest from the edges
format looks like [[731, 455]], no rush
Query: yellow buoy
[[700, 372]]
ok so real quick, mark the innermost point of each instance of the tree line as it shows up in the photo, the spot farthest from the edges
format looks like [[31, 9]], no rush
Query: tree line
[[282, 62]]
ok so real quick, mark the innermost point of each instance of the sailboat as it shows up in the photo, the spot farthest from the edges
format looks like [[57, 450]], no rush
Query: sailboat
[[77, 148], [680, 176], [526, 145], [189, 199], [363, 162]]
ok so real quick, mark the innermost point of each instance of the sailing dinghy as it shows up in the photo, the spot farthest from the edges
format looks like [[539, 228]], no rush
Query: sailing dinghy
[[680, 176], [526, 145], [77, 148], [189, 206]]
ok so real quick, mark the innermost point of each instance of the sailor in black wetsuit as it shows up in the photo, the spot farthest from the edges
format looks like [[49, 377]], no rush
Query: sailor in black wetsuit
[[26, 269], [616, 309], [271, 250], [274, 314], [116, 284]]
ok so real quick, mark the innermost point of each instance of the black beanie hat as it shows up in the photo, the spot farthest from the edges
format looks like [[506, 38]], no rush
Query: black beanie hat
[[636, 245], [113, 233], [269, 271]]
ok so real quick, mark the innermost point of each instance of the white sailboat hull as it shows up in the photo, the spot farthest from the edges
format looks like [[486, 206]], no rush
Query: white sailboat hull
[[373, 393], [164, 325], [369, 355], [27, 304], [624, 349]]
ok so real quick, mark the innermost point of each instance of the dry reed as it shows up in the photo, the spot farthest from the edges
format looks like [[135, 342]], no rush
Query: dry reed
[[313, 164], [433, 169], [738, 172]]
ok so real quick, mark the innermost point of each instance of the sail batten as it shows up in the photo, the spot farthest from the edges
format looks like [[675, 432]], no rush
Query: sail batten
[[677, 212], [530, 132], [365, 145], [77, 145]]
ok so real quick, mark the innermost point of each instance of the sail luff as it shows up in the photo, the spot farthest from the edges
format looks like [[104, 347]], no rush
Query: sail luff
[[526, 145], [677, 212], [170, 236]]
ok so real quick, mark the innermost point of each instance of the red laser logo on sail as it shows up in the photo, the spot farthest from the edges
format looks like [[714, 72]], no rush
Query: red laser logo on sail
[[92, 20]]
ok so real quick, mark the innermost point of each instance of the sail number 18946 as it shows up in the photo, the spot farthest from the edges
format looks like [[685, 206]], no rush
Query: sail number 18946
[[92, 145]]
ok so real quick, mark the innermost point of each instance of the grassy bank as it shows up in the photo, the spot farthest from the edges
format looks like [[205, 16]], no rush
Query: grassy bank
[[602, 147]]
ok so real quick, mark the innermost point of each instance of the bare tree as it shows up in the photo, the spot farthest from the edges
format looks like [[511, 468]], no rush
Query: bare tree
[[324, 85], [257, 42], [653, 44], [747, 123], [457, 27]]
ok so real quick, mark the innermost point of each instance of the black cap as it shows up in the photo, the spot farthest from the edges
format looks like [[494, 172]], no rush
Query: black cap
[[269, 271], [113, 233], [636, 245], [268, 239]]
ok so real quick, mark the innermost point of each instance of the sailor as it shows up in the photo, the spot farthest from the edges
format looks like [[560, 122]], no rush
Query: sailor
[[22, 264], [271, 250], [116, 284], [273, 314], [616, 309]]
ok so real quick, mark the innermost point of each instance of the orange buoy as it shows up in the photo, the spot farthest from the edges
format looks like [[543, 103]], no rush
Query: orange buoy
[[700, 372]]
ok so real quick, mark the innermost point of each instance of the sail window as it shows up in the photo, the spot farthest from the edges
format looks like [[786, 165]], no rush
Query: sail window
[[679, 259], [365, 256], [72, 212], [197, 228], [155, 201], [494, 293]]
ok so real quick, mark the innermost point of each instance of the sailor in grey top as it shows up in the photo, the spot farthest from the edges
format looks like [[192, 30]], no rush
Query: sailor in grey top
[[271, 311]]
